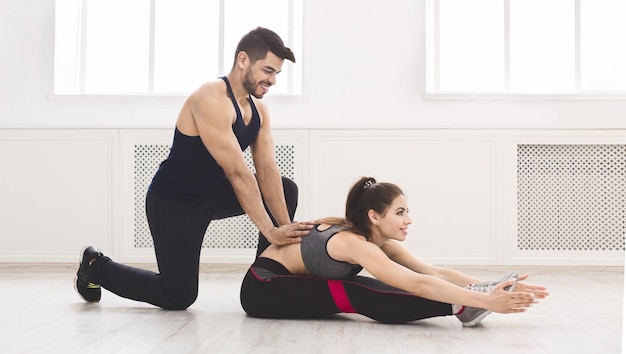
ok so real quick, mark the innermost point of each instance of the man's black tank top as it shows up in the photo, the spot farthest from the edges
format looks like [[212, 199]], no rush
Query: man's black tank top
[[190, 172]]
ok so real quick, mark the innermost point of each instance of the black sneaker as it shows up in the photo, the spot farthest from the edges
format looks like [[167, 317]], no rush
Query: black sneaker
[[89, 291]]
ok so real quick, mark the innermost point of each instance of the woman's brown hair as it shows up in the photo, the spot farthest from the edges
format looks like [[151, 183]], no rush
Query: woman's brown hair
[[365, 195]]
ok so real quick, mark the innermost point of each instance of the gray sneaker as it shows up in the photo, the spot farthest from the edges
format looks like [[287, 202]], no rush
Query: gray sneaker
[[471, 316], [486, 286]]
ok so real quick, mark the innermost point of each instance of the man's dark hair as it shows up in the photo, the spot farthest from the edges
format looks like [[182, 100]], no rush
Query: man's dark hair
[[261, 40]]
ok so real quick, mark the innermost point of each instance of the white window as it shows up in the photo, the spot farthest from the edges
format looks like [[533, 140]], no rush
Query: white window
[[145, 47], [552, 47]]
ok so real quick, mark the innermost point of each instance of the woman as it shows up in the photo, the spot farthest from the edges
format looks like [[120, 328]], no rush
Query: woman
[[318, 277]]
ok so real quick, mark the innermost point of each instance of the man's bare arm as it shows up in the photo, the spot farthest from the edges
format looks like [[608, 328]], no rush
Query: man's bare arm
[[213, 118], [268, 174]]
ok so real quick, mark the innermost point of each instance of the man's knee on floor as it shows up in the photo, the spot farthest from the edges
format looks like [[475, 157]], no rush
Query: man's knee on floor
[[179, 300]]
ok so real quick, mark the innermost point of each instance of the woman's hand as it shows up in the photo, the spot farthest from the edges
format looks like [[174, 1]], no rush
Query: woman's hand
[[539, 291], [503, 301]]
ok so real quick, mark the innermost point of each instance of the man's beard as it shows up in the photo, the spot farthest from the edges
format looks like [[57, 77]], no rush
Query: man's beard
[[251, 86]]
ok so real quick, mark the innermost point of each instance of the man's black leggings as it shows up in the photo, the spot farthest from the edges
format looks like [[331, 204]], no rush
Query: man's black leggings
[[270, 291], [178, 228]]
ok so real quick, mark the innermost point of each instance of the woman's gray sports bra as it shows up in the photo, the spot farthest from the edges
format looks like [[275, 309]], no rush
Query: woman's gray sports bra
[[317, 260]]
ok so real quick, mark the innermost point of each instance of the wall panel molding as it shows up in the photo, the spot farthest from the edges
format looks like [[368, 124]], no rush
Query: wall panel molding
[[58, 193], [449, 178], [64, 188], [231, 240]]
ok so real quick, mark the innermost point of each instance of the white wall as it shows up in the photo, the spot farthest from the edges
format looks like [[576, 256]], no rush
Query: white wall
[[62, 181], [363, 67]]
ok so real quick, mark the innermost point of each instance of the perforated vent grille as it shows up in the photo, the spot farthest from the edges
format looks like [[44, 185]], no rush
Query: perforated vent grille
[[571, 197], [237, 232]]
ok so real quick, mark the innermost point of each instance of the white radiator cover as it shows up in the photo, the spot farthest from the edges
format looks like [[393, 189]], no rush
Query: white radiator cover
[[237, 233], [571, 197]]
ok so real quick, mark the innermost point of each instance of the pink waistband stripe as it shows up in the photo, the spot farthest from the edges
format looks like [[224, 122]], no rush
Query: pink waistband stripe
[[338, 292]]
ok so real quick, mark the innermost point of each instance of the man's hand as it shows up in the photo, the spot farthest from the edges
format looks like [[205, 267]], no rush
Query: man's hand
[[289, 233]]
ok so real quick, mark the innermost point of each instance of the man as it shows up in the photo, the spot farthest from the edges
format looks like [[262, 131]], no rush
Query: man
[[205, 178]]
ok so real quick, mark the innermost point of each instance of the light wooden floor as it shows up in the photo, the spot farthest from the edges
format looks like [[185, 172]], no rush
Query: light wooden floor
[[40, 313]]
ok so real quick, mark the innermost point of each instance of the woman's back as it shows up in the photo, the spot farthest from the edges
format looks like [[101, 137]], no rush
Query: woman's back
[[316, 260], [289, 256]]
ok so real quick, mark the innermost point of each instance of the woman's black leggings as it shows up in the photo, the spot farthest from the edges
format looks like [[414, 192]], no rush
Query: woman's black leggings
[[270, 291], [177, 228]]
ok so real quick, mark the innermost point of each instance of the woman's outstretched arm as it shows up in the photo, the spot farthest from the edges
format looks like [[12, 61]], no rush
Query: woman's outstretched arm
[[352, 248]]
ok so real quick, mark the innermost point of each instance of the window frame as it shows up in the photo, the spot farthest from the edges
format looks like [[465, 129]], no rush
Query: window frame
[[293, 77], [431, 51]]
